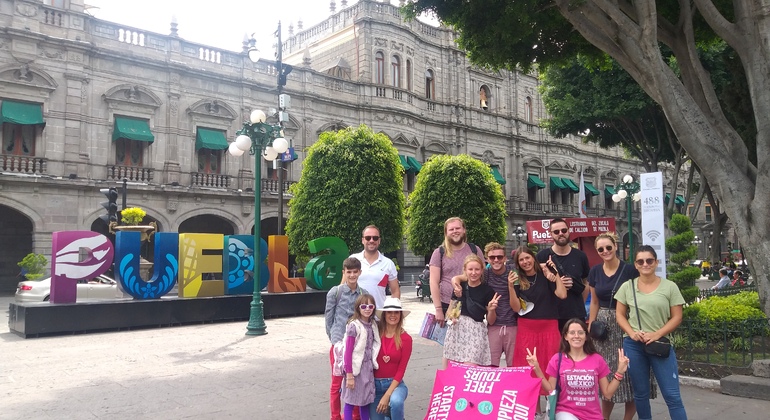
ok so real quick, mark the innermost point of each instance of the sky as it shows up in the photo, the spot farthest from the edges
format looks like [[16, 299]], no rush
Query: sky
[[219, 23]]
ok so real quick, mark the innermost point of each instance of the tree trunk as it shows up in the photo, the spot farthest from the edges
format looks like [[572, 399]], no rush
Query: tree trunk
[[633, 40]]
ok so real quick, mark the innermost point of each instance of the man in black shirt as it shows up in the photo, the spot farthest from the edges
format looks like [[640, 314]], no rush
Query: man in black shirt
[[570, 263]]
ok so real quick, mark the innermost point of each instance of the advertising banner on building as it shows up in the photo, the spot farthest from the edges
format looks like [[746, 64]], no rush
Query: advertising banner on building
[[653, 214], [538, 231]]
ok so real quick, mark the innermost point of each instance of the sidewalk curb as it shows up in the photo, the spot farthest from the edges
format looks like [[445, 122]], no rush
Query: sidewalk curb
[[700, 382]]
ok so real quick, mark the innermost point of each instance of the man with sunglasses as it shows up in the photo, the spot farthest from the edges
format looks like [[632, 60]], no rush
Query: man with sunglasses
[[502, 335], [572, 265], [377, 270]]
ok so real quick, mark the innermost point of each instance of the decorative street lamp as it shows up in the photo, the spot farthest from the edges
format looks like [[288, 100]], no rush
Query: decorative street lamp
[[520, 234], [265, 140], [629, 190], [697, 242]]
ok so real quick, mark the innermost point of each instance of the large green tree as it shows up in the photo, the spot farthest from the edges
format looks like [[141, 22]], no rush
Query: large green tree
[[350, 179], [450, 186], [517, 33]]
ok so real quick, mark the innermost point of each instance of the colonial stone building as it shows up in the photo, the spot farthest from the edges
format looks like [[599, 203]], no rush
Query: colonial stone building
[[88, 103]]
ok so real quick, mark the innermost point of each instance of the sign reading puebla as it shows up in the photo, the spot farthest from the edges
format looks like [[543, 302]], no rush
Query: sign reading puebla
[[185, 259]]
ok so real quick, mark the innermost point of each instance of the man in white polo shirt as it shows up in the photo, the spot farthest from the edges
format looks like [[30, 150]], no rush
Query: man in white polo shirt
[[377, 270]]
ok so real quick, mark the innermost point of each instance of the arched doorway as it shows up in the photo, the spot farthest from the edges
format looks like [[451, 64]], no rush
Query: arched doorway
[[15, 230], [206, 223], [269, 227], [148, 248]]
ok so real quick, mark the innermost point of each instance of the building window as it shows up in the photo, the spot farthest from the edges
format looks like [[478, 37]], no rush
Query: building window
[[395, 71], [609, 190], [129, 152], [379, 70], [707, 207], [18, 139], [209, 161], [430, 84], [55, 3], [409, 75], [484, 97], [528, 114]]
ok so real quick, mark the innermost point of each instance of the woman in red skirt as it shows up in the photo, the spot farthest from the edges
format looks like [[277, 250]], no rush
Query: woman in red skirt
[[538, 325]]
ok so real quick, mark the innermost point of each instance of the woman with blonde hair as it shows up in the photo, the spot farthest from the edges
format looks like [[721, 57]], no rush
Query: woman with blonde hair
[[466, 338], [603, 282], [390, 391]]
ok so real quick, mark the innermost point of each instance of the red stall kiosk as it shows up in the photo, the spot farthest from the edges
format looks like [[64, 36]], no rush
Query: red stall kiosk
[[583, 232]]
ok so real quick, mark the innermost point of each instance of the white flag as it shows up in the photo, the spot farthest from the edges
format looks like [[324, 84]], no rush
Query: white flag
[[582, 196]]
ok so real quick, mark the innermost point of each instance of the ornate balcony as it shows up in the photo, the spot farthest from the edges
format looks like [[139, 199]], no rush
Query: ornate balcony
[[131, 173], [22, 164], [200, 179], [271, 186]]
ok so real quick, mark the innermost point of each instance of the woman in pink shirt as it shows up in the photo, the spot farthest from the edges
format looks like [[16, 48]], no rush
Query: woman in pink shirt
[[581, 372], [395, 350]]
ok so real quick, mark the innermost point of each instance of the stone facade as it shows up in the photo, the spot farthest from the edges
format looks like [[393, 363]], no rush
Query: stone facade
[[86, 73]]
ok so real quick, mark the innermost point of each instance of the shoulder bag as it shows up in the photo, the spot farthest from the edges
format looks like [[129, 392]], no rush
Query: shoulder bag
[[599, 330], [553, 397], [660, 347]]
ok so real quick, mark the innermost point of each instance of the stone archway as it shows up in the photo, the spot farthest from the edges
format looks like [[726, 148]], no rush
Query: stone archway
[[16, 230], [206, 223]]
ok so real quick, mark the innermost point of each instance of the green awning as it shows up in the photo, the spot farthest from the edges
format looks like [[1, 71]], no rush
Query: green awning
[[416, 166], [498, 176], [132, 129], [590, 189], [404, 163], [668, 198], [207, 138], [571, 184], [609, 191], [534, 181], [556, 183], [23, 113], [679, 200]]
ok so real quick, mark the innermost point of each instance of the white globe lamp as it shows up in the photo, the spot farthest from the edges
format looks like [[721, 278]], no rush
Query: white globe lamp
[[257, 116], [234, 150], [243, 142], [616, 198], [280, 145], [270, 153], [622, 193]]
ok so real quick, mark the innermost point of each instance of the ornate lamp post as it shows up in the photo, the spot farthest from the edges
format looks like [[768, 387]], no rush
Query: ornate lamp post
[[260, 140], [629, 190], [697, 242], [521, 234]]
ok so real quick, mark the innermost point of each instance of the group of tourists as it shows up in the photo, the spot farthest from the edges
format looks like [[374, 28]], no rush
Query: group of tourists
[[532, 311]]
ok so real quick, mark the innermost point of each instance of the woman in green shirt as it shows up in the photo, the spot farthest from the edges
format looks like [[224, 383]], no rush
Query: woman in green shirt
[[648, 309]]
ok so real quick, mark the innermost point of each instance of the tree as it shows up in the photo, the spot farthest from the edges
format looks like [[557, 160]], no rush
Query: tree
[[681, 251], [33, 266], [516, 34], [450, 186], [350, 179]]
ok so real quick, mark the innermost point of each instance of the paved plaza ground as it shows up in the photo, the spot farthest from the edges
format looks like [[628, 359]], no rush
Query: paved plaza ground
[[214, 371]]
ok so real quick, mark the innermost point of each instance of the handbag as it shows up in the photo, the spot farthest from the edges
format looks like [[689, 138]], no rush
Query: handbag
[[660, 347], [599, 330], [553, 396], [475, 309]]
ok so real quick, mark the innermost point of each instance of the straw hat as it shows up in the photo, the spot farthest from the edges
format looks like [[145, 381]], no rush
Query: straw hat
[[392, 304]]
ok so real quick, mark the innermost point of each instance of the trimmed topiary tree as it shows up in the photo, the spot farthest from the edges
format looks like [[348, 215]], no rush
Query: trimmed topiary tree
[[350, 179], [449, 186], [681, 250]]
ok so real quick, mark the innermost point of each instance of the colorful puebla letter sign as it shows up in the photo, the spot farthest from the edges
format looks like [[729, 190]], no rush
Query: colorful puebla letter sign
[[192, 260]]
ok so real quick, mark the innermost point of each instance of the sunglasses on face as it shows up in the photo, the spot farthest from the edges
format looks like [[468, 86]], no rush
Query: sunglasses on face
[[643, 261], [601, 249], [496, 257], [372, 238], [366, 306], [562, 230]]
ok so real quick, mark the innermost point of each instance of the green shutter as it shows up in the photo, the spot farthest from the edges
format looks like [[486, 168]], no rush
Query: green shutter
[[556, 183], [23, 113], [534, 181], [207, 138], [132, 129], [404, 163], [570, 184], [498, 176], [590, 188], [416, 166]]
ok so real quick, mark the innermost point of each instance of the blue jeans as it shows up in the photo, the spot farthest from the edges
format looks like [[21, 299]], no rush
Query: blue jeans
[[397, 399], [666, 373]]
